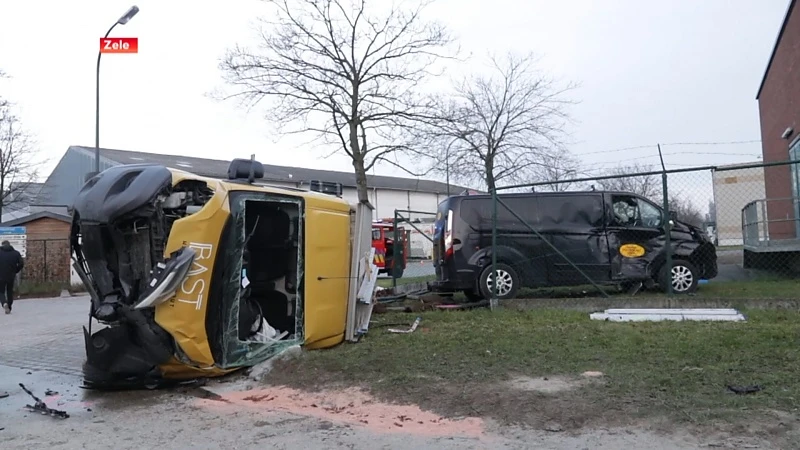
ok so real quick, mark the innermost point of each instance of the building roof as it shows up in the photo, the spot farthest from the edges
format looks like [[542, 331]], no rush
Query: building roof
[[785, 23], [751, 165], [18, 199], [37, 216], [219, 169]]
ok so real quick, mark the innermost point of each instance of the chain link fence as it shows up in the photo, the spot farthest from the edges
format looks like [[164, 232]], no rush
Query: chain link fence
[[682, 231], [414, 230]]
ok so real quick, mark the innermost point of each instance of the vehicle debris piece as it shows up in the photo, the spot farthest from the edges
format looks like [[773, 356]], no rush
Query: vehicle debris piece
[[3, 394], [659, 314], [752, 389], [410, 330], [41, 407], [470, 305]]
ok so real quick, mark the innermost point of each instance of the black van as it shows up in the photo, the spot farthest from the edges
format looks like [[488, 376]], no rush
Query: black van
[[616, 238]]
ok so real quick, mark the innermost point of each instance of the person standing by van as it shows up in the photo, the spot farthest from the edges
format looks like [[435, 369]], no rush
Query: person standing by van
[[11, 263]]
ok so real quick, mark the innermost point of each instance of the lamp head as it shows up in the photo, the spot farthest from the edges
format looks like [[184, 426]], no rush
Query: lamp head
[[128, 15]]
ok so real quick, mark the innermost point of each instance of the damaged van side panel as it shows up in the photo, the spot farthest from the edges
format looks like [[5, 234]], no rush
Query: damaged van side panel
[[638, 250], [327, 274]]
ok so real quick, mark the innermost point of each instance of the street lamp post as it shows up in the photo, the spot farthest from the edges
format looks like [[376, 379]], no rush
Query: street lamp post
[[122, 21]]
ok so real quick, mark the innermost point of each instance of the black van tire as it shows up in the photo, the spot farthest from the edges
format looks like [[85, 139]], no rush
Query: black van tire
[[686, 270], [506, 272]]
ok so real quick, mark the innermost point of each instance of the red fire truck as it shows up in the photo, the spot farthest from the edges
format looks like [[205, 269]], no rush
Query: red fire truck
[[383, 242]]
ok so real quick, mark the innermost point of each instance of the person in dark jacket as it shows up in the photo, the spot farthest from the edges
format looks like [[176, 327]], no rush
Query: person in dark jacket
[[11, 264]]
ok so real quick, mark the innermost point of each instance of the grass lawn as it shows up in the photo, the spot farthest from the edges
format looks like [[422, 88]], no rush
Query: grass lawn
[[775, 288], [461, 364], [762, 288]]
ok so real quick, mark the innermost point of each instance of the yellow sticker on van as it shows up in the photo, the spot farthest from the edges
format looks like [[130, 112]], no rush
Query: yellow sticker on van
[[631, 251]]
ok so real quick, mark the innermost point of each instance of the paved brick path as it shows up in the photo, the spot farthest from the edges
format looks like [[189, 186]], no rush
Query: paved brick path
[[45, 334]]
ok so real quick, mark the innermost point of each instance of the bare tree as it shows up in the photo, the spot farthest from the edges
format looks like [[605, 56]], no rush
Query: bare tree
[[348, 75], [558, 169], [18, 167], [685, 210], [503, 125], [3, 102], [648, 186]]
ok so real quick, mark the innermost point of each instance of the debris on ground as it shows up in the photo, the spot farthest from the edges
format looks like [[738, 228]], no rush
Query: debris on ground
[[410, 330], [456, 306], [553, 428], [3, 394], [41, 407], [752, 389], [661, 314], [592, 374], [49, 393]]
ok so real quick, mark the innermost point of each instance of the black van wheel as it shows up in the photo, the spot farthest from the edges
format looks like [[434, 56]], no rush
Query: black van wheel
[[507, 284], [684, 277]]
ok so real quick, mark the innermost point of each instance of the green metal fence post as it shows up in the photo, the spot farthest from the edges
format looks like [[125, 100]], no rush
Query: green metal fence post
[[667, 222], [493, 300]]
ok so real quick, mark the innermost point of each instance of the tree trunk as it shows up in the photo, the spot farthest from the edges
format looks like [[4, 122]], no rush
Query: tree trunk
[[489, 164], [358, 166], [361, 180]]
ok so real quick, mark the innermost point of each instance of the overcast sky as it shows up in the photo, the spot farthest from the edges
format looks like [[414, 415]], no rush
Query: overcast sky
[[669, 71]]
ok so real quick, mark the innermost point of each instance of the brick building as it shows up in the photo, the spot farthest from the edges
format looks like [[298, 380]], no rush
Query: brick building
[[779, 111]]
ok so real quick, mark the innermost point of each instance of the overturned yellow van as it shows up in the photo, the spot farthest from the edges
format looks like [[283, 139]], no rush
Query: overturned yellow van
[[197, 277]]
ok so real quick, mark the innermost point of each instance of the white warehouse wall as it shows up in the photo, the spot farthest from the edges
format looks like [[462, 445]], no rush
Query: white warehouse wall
[[733, 189], [386, 201]]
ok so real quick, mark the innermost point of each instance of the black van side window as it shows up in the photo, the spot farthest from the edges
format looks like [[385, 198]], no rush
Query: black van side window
[[630, 211]]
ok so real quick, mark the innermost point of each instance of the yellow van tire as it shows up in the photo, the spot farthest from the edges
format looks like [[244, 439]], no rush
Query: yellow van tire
[[507, 287]]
